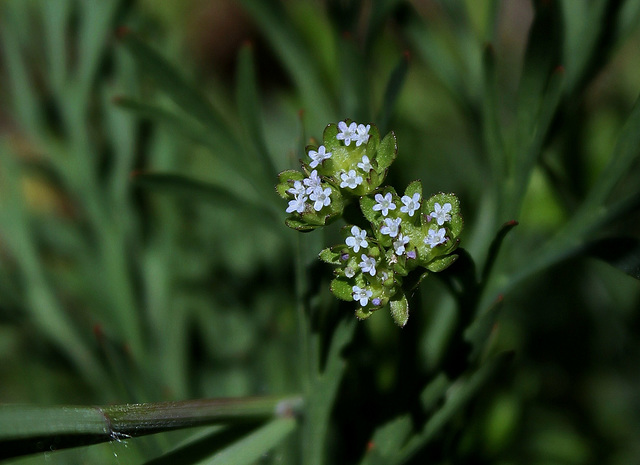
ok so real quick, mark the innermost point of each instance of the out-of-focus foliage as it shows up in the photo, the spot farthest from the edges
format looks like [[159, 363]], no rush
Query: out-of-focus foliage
[[144, 257]]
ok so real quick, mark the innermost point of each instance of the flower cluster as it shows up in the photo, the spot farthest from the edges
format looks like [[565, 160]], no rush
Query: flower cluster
[[407, 236]]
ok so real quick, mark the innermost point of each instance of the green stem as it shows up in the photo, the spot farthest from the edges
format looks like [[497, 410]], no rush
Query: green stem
[[32, 429]]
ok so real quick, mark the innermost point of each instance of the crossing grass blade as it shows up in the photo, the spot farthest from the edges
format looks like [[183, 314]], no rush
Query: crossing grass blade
[[26, 429]]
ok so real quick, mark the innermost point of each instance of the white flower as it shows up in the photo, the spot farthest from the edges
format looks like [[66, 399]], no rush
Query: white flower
[[358, 239], [297, 189], [435, 238], [347, 133], [368, 264], [351, 179], [365, 164], [441, 214], [320, 197], [362, 295], [398, 245], [390, 227], [384, 203], [363, 134], [349, 272], [297, 204], [411, 204], [319, 156], [312, 181]]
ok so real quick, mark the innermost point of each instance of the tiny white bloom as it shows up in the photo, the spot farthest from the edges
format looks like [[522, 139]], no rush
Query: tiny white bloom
[[368, 264], [441, 214], [347, 133], [365, 164], [358, 239], [398, 245], [384, 276], [320, 197], [319, 156], [384, 203], [297, 204], [411, 204], [435, 237], [350, 179], [363, 134], [363, 295], [390, 227], [312, 181], [297, 189], [349, 272]]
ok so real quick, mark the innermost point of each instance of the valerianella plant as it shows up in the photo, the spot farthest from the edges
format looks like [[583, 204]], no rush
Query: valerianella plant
[[399, 240]]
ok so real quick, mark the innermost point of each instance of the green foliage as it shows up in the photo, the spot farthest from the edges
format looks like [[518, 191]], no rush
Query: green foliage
[[145, 262]]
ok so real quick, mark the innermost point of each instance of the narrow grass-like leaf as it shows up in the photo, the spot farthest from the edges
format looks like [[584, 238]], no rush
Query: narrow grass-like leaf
[[625, 153], [96, 21], [491, 127], [22, 88], [203, 445], [171, 120], [272, 19], [191, 189], [461, 394], [394, 86], [431, 44], [321, 396], [55, 19], [494, 248], [30, 429], [248, 103], [254, 446], [185, 95], [387, 441]]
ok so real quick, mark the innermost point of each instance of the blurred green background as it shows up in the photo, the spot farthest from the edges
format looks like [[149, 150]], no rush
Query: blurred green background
[[114, 292]]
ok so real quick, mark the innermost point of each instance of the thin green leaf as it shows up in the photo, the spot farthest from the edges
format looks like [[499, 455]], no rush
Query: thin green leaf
[[192, 189], [396, 81], [625, 153], [185, 95], [171, 120], [494, 248], [491, 128], [22, 89], [387, 440], [286, 43], [203, 445], [31, 429], [251, 448], [96, 21], [248, 103], [461, 394], [322, 393], [55, 19]]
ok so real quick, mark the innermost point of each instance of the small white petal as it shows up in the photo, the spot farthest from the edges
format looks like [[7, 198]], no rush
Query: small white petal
[[365, 164]]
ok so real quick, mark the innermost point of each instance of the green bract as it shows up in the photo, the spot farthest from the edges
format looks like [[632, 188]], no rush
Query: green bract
[[407, 235]]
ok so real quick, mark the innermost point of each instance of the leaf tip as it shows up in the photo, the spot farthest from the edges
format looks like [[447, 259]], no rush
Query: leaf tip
[[122, 32]]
